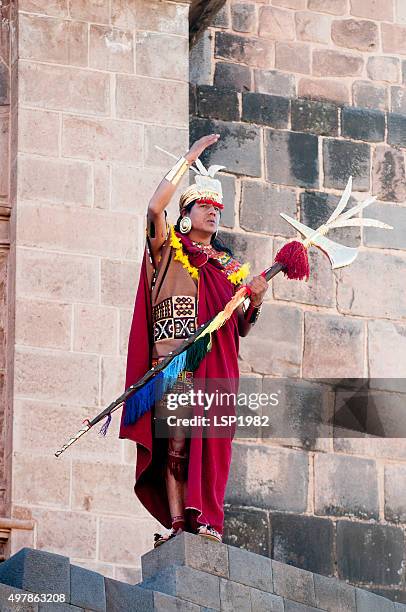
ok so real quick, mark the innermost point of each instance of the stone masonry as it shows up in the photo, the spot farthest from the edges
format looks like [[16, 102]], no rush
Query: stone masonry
[[95, 95], [305, 93], [187, 574]]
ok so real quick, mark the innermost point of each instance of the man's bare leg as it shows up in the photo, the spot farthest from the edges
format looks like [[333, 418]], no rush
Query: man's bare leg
[[176, 477]]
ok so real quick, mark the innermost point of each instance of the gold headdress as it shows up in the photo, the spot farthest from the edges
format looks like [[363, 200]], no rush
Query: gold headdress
[[205, 188]]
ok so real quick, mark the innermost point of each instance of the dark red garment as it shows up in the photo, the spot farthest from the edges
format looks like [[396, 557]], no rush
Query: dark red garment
[[209, 457]]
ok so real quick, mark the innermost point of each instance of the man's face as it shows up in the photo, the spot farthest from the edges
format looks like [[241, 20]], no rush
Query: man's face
[[205, 217]]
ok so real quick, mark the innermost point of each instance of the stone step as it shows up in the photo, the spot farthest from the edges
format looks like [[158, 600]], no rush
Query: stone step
[[186, 574]]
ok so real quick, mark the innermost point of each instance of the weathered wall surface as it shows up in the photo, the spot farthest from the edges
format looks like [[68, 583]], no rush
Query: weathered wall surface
[[305, 94], [96, 93]]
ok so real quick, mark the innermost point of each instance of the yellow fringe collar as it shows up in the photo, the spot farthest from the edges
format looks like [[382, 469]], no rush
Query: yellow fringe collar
[[234, 277]]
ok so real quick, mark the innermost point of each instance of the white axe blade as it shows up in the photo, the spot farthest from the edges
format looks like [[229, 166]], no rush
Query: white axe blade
[[338, 254]]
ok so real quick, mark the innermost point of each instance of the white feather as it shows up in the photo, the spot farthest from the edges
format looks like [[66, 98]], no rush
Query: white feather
[[342, 203]]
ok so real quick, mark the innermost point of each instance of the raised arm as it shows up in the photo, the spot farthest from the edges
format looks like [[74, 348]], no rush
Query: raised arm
[[156, 222]]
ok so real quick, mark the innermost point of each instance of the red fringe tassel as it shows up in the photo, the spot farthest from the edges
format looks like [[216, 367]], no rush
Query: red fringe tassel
[[294, 257]]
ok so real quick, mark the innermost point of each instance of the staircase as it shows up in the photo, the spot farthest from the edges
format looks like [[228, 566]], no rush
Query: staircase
[[189, 574]]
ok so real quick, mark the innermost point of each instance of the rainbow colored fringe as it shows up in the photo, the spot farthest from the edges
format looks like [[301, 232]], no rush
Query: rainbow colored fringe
[[142, 400]]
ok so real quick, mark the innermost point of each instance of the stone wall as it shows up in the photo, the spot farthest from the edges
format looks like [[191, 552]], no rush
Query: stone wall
[[8, 153], [348, 51], [96, 94], [329, 504]]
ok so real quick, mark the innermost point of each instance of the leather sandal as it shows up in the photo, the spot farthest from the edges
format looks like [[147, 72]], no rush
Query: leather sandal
[[207, 531], [160, 539]]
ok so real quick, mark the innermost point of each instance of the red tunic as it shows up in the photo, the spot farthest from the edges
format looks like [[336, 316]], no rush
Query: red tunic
[[210, 452]]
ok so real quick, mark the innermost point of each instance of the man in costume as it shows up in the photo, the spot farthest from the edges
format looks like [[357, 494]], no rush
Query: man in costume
[[187, 276]]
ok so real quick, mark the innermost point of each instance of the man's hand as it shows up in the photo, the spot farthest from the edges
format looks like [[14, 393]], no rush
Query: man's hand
[[200, 145], [259, 286]]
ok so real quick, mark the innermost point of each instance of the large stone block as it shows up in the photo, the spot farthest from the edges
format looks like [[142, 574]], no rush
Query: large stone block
[[54, 275], [266, 602], [362, 124], [50, 87], [337, 495], [37, 571], [116, 290], [372, 9], [398, 100], [393, 38], [293, 57], [57, 228], [133, 538], [243, 18], [112, 377], [38, 132], [121, 596], [369, 602], [369, 552], [155, 16], [370, 95], [261, 204], [244, 49], [152, 100], [217, 103], [168, 603], [54, 8], [40, 428], [293, 583], [55, 181], [111, 49], [396, 130], [238, 148], [274, 82], [373, 274], [247, 528], [276, 23], [43, 324], [335, 7], [305, 542], [200, 62], [291, 158], [149, 60], [355, 34], [265, 109], [187, 583], [187, 550], [384, 69], [232, 76], [395, 493], [388, 174], [328, 62], [334, 595], [385, 362], [52, 40], [347, 337], [87, 589], [250, 569], [95, 329], [324, 89], [315, 117], [313, 27], [10, 595], [91, 489], [274, 346], [40, 480], [89, 10], [343, 159], [267, 477], [393, 215], [57, 376], [94, 139]]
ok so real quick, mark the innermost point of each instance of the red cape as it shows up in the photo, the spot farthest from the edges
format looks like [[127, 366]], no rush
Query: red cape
[[209, 457]]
